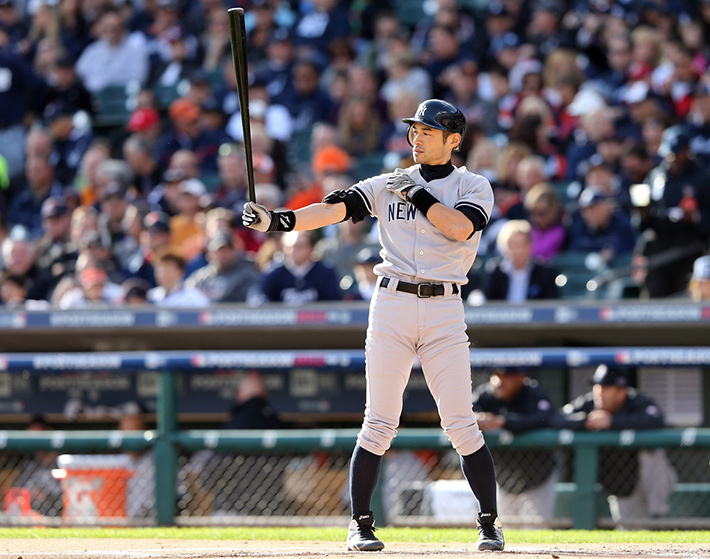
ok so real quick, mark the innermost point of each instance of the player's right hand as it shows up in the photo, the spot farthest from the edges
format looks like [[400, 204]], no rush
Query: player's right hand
[[256, 217]]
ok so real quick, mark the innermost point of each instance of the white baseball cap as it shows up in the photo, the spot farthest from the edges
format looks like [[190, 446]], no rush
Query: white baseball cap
[[195, 187]]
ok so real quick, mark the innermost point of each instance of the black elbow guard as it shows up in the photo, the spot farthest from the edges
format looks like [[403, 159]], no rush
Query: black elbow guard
[[354, 206]]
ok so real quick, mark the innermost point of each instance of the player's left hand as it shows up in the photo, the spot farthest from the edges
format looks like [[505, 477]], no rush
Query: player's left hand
[[402, 185]]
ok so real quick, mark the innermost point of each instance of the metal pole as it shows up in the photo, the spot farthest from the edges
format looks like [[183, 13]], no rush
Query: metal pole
[[165, 453], [584, 514]]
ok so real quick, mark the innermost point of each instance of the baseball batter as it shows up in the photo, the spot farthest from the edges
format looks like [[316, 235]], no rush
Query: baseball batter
[[430, 218]]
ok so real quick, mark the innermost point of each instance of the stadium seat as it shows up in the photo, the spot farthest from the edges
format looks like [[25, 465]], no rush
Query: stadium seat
[[299, 150], [113, 105], [575, 270]]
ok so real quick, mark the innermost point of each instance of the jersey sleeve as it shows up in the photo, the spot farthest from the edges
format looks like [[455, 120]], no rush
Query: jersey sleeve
[[364, 192], [476, 200]]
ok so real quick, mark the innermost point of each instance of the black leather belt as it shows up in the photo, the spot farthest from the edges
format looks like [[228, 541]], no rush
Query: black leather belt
[[422, 290]]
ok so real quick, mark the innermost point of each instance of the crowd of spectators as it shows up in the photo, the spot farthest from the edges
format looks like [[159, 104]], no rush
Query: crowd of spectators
[[590, 118]]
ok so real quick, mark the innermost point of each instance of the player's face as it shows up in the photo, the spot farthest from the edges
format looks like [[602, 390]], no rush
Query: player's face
[[608, 398], [429, 146]]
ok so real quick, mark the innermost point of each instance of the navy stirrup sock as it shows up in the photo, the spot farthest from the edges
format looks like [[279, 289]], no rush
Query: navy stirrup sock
[[480, 472], [364, 473]]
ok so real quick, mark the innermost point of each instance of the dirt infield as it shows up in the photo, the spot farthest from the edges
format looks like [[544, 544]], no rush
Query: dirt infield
[[206, 549]]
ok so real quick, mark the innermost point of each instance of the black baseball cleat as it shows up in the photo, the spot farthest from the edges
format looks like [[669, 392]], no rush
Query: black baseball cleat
[[361, 534], [490, 536]]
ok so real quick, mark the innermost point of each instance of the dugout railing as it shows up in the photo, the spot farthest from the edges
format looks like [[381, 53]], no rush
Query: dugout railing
[[168, 441]]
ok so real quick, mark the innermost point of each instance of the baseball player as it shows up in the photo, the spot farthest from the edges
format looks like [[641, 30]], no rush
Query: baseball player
[[430, 218]]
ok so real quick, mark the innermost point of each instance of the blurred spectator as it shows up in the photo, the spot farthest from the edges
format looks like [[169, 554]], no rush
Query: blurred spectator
[[405, 75], [327, 161], [187, 227], [678, 225], [154, 238], [316, 29], [171, 291], [67, 86], [600, 227], [187, 133], [39, 184], [638, 482], [462, 80], [547, 233], [526, 478], [394, 134], [165, 196], [135, 292], [232, 189], [229, 275], [359, 129], [699, 285], [517, 277], [364, 271], [55, 251], [300, 278], [116, 57], [70, 141], [145, 123], [24, 92], [309, 103], [531, 171], [94, 290], [86, 180], [444, 51], [274, 116], [113, 204], [138, 152]]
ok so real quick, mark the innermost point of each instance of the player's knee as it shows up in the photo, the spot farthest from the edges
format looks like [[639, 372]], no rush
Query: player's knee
[[465, 440], [376, 436]]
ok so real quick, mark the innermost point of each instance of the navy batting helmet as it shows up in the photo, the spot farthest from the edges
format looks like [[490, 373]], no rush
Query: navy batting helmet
[[439, 115]]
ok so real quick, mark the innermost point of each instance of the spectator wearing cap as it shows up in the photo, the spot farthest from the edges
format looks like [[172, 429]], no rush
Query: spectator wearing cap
[[55, 251], [638, 482], [114, 202], [116, 57], [164, 197], [39, 184], [170, 290], [300, 278], [94, 290], [513, 401], [600, 227], [364, 273], [145, 123], [186, 132], [68, 88], [229, 275], [25, 92], [138, 152], [95, 250], [699, 285], [276, 70], [187, 228], [679, 224], [516, 277], [70, 141], [154, 238], [462, 80], [329, 160]]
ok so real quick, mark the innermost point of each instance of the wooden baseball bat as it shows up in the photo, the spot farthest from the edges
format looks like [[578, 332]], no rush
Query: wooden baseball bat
[[238, 37]]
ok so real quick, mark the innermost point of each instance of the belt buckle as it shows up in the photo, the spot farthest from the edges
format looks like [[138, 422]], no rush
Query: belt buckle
[[423, 295]]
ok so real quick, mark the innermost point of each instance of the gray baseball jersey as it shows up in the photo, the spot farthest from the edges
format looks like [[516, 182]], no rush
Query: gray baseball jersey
[[402, 325]]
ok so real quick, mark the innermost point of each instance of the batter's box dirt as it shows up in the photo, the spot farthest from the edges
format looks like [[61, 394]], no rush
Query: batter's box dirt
[[206, 549]]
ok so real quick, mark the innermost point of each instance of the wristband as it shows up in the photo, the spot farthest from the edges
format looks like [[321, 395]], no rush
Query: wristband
[[282, 221], [421, 198]]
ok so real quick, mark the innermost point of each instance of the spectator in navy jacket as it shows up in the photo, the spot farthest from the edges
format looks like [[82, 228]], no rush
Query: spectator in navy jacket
[[299, 279], [517, 277], [600, 227]]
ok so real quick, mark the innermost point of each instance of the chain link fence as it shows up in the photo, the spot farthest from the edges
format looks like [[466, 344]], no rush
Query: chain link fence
[[417, 487]]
